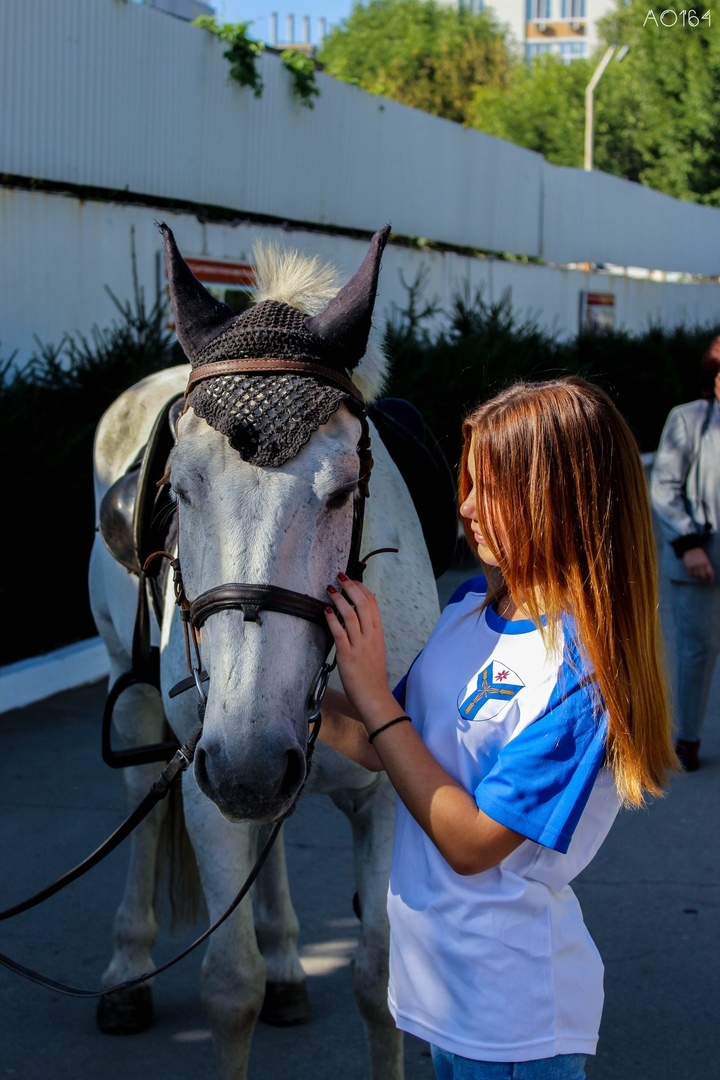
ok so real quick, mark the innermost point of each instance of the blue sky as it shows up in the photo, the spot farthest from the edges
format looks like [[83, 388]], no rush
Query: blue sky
[[257, 12]]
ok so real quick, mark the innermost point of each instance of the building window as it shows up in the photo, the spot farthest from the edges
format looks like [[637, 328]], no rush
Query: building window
[[567, 50], [571, 50], [572, 9], [537, 10], [537, 49]]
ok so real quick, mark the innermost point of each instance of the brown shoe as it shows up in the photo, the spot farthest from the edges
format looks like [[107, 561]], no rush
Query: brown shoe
[[687, 751]]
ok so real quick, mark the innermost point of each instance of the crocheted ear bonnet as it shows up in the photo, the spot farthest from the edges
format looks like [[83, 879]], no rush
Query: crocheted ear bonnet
[[269, 417]]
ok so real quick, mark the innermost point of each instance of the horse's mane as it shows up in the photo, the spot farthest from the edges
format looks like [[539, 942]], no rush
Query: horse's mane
[[308, 284]]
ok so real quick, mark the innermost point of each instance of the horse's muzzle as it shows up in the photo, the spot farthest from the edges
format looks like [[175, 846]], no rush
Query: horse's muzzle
[[259, 790]]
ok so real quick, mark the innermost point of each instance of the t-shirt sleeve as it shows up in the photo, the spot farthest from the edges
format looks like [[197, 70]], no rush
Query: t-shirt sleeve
[[542, 779], [400, 691]]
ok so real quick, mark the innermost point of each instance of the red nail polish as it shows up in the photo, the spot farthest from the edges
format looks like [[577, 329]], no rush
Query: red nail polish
[[331, 588], [343, 577], [328, 609]]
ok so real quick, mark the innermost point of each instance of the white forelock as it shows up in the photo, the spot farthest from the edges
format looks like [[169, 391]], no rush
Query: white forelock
[[285, 274], [309, 284]]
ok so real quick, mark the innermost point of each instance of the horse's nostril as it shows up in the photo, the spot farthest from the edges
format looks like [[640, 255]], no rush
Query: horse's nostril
[[200, 767], [294, 773]]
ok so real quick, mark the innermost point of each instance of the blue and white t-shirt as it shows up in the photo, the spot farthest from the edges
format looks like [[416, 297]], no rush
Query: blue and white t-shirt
[[499, 966]]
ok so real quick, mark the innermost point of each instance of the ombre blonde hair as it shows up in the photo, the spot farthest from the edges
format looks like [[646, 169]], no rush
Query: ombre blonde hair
[[563, 505]]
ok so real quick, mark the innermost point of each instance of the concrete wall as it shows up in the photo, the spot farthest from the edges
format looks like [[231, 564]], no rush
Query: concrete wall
[[132, 113], [57, 254], [118, 96], [41, 677]]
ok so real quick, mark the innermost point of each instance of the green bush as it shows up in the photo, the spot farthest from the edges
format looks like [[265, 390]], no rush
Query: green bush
[[480, 347], [49, 410], [50, 407]]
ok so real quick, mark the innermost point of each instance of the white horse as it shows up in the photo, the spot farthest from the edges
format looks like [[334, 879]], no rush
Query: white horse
[[290, 526]]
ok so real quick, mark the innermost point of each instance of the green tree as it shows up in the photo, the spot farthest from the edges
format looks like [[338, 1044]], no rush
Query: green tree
[[540, 106], [657, 114], [419, 52]]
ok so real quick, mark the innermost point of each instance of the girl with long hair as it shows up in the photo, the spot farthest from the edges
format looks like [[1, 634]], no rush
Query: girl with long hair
[[536, 709]]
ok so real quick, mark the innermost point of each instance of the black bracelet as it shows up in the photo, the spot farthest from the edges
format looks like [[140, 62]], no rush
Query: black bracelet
[[397, 720], [687, 543]]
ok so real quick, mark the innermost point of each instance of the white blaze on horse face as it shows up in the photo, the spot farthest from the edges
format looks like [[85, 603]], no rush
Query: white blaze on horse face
[[289, 527]]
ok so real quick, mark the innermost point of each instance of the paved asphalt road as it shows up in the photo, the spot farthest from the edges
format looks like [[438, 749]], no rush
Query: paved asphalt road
[[650, 899]]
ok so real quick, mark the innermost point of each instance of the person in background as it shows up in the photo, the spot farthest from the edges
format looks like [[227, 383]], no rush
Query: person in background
[[537, 707], [685, 493]]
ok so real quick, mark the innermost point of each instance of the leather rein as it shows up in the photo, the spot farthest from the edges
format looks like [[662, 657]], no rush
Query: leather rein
[[252, 599]]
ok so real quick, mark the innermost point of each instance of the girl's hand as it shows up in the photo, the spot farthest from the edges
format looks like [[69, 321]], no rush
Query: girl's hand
[[360, 646], [698, 565], [467, 838]]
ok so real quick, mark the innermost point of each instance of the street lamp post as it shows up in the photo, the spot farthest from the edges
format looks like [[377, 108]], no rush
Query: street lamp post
[[588, 156]]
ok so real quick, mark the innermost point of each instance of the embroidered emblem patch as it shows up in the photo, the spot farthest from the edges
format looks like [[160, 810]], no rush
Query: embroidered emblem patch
[[489, 692]]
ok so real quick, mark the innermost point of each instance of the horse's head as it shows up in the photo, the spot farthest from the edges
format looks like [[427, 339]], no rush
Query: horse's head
[[265, 473]]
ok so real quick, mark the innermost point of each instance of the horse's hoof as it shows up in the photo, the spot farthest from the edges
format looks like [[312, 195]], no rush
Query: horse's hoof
[[126, 1012], [286, 1004]]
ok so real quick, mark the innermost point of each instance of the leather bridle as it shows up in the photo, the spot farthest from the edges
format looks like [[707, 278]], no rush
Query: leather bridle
[[252, 599]]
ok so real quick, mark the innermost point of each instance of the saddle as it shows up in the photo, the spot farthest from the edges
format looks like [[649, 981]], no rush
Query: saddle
[[137, 518], [137, 514]]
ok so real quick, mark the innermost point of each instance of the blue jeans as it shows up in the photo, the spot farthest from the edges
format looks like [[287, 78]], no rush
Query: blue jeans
[[453, 1067], [696, 613]]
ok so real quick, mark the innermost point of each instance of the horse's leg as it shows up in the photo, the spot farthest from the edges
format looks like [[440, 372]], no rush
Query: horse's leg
[[139, 717], [233, 970], [371, 814], [276, 928]]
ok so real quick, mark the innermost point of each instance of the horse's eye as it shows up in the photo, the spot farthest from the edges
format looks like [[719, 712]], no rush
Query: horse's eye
[[341, 498], [180, 494]]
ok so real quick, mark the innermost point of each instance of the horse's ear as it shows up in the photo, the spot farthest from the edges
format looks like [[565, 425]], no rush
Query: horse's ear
[[199, 317], [347, 319]]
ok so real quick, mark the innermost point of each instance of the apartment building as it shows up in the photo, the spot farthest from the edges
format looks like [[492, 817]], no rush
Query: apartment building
[[566, 28]]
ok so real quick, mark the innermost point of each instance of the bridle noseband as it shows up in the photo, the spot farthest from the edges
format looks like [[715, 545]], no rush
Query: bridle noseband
[[253, 599]]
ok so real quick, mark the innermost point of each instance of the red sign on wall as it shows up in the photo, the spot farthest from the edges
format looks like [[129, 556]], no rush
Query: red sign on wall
[[597, 312], [225, 273]]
